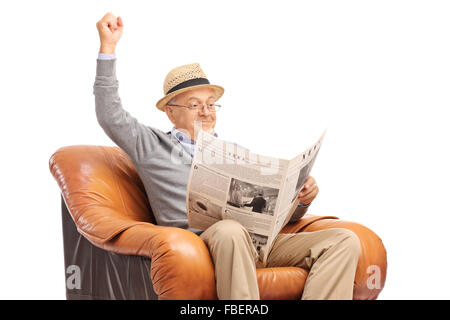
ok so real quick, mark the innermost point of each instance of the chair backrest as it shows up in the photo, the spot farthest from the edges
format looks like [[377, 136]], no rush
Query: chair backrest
[[101, 189]]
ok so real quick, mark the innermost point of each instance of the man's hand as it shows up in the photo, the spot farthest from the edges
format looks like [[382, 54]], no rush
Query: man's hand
[[309, 191], [110, 30]]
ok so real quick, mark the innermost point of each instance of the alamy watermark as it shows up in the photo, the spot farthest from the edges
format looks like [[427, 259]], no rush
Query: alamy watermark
[[374, 280], [73, 281], [224, 152]]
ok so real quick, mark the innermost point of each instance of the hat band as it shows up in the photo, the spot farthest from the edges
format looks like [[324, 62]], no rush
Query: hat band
[[189, 83]]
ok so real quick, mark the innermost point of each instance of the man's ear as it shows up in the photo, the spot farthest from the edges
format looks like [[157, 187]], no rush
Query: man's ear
[[169, 112]]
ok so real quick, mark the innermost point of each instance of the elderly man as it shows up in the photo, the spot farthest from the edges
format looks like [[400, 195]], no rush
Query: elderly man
[[331, 256]]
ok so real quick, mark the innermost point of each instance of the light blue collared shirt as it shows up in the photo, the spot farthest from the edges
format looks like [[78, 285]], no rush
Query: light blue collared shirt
[[106, 56], [186, 142]]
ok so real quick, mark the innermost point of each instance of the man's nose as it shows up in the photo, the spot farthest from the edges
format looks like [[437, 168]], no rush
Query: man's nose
[[204, 109]]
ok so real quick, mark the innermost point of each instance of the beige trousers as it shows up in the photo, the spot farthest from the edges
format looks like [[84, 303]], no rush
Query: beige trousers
[[330, 256]]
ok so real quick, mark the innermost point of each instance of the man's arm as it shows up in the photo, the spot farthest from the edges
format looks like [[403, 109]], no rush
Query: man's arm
[[125, 130], [299, 212], [130, 135], [306, 195]]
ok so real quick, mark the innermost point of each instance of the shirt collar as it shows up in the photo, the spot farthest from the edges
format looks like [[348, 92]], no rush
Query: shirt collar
[[183, 137]]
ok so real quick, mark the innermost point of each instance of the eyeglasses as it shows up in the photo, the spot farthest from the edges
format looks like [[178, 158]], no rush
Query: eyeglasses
[[212, 107]]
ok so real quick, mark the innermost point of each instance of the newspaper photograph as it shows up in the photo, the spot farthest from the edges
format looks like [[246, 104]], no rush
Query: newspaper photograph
[[228, 181]]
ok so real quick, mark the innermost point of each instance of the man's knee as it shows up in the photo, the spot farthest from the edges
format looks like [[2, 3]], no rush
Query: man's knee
[[228, 229], [349, 240]]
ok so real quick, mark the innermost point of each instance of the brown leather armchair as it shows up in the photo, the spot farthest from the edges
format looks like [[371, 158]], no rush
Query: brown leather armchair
[[112, 241]]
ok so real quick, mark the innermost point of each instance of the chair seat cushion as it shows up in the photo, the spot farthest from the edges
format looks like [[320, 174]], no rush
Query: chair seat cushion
[[281, 283]]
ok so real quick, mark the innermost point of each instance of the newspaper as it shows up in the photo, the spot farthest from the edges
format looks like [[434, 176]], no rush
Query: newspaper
[[228, 181]]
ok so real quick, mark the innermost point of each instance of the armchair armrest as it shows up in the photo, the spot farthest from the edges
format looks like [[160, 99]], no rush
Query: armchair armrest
[[372, 265], [181, 265]]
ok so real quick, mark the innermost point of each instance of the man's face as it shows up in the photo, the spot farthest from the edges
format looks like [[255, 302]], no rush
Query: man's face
[[183, 118]]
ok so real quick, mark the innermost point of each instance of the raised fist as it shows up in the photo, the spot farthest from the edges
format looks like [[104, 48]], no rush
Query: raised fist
[[110, 30]]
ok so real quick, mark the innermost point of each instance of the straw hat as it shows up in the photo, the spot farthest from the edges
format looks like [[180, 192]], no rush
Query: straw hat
[[184, 78]]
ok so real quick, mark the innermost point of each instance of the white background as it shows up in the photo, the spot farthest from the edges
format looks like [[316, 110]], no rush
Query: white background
[[375, 72]]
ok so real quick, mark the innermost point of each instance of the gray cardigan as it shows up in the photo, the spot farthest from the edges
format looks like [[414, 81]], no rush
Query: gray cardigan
[[159, 158]]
